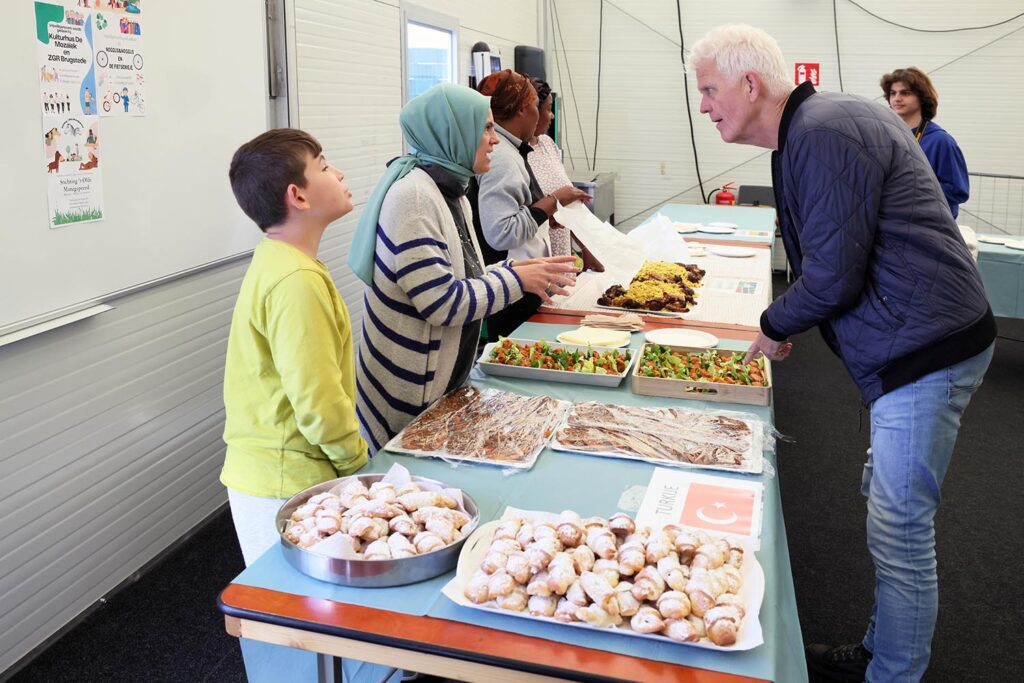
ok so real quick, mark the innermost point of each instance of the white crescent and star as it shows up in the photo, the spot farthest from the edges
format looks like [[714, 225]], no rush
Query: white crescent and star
[[720, 521]]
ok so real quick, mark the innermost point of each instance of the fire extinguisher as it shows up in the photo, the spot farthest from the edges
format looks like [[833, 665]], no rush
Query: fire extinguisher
[[724, 196]]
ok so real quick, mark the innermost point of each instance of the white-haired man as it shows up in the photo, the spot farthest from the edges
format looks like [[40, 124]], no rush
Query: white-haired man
[[883, 272]]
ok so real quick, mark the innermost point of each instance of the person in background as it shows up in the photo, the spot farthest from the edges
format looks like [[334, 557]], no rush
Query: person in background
[[883, 272], [289, 376], [510, 211], [912, 96], [546, 162], [429, 287]]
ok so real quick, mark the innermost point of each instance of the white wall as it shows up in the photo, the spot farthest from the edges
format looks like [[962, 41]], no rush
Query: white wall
[[644, 134], [110, 429], [348, 86]]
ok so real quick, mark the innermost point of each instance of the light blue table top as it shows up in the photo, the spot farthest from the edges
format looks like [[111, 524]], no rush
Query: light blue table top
[[590, 486], [750, 219], [1000, 252], [1002, 271]]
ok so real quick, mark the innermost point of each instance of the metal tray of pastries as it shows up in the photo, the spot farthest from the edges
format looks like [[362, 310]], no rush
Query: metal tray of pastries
[[402, 534]]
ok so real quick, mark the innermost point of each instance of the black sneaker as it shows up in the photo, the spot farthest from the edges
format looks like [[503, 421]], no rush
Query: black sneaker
[[846, 663]]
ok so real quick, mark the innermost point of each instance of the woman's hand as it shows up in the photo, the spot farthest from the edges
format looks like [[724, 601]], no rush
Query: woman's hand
[[568, 194], [546, 276], [564, 195]]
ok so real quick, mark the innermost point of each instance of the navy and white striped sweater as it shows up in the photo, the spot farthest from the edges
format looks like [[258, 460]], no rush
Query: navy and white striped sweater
[[417, 305]]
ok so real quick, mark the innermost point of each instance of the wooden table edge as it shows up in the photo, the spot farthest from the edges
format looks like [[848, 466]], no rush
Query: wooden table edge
[[565, 316], [451, 639]]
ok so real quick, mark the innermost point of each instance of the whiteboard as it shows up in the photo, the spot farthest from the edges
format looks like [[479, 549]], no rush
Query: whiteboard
[[167, 201]]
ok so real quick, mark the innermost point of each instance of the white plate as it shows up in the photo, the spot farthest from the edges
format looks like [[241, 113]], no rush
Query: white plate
[[719, 228], [993, 240], [1015, 244], [687, 227], [731, 252], [682, 337]]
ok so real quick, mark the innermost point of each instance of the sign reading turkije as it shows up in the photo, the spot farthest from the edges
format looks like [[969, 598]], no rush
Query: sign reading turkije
[[722, 506], [807, 71]]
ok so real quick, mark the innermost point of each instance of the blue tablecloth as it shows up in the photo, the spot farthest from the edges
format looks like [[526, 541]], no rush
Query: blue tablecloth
[[756, 224], [591, 486], [1002, 271]]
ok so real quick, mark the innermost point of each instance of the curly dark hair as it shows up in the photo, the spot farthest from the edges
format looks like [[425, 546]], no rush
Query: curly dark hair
[[919, 84], [542, 88]]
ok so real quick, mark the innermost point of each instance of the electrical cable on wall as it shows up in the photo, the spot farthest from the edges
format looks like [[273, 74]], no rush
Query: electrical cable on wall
[[835, 30], [600, 54], [686, 96], [558, 30], [561, 100], [934, 30]]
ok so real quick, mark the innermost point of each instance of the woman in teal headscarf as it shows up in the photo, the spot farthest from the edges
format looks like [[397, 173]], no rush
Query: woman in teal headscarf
[[414, 247]]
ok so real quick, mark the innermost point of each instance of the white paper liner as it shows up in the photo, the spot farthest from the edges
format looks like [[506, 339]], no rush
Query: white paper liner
[[475, 548]]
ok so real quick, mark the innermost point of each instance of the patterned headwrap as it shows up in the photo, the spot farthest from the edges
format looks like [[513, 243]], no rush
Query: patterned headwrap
[[509, 92]]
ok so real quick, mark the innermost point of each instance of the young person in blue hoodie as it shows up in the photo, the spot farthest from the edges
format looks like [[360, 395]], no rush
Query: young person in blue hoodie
[[912, 96]]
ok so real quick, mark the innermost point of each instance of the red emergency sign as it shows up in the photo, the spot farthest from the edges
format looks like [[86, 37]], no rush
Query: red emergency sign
[[806, 71]]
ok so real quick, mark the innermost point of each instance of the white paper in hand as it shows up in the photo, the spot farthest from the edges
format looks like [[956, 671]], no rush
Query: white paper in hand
[[620, 256], [660, 241]]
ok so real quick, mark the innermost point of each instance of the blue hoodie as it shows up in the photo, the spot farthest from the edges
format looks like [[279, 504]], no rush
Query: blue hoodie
[[948, 163]]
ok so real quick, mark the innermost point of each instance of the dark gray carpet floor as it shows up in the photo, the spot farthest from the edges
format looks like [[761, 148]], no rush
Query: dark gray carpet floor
[[166, 627]]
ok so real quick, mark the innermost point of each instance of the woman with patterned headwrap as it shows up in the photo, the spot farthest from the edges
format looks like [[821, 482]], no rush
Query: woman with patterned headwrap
[[511, 210], [428, 286]]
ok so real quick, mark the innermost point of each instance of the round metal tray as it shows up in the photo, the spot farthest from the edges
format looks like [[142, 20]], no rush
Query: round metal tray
[[372, 573]]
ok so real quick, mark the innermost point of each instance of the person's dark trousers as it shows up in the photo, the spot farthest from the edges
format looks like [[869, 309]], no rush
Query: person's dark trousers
[[504, 323]]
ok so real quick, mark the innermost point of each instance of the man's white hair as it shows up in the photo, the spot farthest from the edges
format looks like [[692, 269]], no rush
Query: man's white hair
[[735, 49]]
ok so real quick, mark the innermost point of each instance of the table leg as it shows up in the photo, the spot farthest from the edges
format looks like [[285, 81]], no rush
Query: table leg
[[328, 669]]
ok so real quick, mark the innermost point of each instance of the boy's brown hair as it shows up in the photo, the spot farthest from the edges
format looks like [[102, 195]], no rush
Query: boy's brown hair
[[919, 84], [263, 168]]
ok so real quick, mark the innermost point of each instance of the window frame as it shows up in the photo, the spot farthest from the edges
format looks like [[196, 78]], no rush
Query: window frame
[[411, 13]]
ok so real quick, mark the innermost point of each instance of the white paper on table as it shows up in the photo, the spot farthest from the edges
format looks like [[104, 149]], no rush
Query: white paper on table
[[660, 241], [475, 548], [721, 506], [616, 252]]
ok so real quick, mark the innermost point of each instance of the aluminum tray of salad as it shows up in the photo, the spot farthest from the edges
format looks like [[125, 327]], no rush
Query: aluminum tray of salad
[[527, 359]]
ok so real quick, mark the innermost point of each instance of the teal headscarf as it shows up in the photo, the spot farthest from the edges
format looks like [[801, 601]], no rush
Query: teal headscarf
[[443, 126]]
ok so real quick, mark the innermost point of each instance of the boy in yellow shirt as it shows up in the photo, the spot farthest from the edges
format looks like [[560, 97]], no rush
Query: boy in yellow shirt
[[289, 377]]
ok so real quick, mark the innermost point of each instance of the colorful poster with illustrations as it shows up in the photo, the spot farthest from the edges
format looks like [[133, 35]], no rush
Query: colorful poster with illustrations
[[70, 131], [120, 65]]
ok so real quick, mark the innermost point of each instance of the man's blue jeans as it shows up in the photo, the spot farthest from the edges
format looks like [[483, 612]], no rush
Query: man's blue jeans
[[913, 431]]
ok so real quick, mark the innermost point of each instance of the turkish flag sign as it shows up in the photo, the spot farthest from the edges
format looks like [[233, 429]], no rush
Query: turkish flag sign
[[722, 509]]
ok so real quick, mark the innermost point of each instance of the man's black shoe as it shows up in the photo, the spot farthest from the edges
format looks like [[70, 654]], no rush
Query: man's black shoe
[[846, 663]]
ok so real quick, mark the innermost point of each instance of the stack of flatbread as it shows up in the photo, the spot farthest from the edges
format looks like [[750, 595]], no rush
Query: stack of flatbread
[[627, 321]]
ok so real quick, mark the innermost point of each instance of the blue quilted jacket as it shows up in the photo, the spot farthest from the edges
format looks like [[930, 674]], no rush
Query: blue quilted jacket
[[880, 265]]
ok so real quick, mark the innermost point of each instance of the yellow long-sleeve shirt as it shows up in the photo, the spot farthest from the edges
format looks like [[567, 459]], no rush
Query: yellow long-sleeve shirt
[[289, 378]]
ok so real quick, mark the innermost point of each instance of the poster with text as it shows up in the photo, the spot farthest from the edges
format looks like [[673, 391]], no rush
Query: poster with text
[[120, 65], [67, 102]]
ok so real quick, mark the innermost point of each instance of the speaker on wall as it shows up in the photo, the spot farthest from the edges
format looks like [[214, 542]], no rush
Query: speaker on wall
[[530, 60]]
